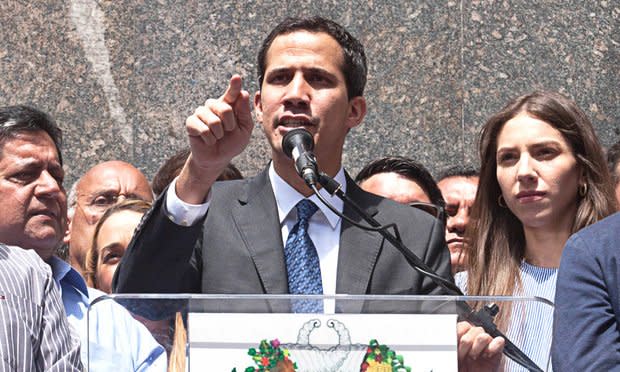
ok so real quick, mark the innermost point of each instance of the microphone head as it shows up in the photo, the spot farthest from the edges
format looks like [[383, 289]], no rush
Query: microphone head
[[297, 137]]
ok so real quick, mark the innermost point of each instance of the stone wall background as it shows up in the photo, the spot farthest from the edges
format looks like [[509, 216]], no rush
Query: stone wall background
[[120, 77]]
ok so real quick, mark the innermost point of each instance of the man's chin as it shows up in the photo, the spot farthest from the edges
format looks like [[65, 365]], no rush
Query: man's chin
[[44, 244]]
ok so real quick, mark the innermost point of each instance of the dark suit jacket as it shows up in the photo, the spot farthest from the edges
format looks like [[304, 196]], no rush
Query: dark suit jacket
[[586, 329], [238, 248]]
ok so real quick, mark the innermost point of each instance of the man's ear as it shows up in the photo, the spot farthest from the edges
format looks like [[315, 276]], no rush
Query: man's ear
[[357, 111], [67, 238], [258, 107]]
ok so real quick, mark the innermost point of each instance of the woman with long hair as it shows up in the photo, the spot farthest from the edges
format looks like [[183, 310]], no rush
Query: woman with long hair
[[543, 176], [113, 233]]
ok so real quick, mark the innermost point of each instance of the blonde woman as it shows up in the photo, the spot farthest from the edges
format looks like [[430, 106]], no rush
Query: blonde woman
[[113, 233]]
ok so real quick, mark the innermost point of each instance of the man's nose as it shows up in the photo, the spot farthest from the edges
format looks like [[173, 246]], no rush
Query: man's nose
[[48, 186], [298, 92], [458, 222]]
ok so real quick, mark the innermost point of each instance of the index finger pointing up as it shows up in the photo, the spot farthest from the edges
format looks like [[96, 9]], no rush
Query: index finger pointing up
[[233, 90]]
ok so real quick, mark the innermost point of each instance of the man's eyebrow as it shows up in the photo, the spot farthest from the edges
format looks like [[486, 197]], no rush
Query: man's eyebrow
[[28, 162], [317, 70], [133, 196], [284, 69], [278, 70], [31, 162], [99, 193]]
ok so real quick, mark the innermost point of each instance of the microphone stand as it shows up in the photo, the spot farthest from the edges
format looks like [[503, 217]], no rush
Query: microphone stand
[[482, 318]]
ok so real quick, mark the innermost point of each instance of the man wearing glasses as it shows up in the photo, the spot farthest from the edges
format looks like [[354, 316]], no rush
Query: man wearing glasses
[[98, 189], [34, 218]]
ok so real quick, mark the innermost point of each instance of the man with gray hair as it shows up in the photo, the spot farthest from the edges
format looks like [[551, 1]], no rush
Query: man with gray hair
[[99, 188], [36, 334], [35, 217]]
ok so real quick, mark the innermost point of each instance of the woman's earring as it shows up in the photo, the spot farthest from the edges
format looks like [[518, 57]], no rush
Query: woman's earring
[[583, 189], [501, 201]]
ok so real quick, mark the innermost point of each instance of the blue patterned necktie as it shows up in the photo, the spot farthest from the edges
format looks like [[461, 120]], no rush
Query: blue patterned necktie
[[302, 261]]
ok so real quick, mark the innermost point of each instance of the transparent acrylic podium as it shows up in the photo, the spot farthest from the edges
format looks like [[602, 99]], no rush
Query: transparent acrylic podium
[[353, 333]]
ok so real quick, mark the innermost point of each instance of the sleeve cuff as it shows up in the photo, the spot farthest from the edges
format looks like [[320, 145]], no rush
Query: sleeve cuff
[[182, 213]]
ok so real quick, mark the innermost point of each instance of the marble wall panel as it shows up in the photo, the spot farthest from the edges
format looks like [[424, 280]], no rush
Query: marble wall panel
[[514, 47], [121, 77]]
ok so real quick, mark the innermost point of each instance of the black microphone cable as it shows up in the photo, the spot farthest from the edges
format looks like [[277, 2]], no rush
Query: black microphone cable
[[481, 318], [298, 145], [330, 186]]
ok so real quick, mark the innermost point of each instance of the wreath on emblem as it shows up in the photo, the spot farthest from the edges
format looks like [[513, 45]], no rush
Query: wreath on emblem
[[273, 356]]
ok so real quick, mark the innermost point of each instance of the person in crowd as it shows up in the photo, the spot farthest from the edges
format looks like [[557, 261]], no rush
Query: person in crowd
[[458, 187], [403, 180], [172, 167], [34, 332], [586, 329], [112, 234], [613, 162], [35, 217], [111, 237], [543, 177], [98, 189], [233, 237]]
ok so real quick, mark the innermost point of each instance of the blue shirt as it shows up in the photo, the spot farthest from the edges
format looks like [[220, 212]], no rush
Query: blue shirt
[[116, 341]]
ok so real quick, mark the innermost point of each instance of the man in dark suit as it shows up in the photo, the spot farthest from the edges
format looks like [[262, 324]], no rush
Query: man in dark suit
[[309, 79], [231, 237]]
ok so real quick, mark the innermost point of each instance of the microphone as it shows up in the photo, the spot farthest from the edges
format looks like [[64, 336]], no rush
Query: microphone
[[298, 145]]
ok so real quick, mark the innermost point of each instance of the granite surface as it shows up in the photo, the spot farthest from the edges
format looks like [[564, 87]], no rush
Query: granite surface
[[120, 77]]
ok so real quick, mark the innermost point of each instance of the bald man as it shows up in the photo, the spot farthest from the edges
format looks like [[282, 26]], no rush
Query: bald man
[[99, 188]]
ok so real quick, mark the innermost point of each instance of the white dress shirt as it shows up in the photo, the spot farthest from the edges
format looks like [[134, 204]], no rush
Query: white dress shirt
[[324, 226]]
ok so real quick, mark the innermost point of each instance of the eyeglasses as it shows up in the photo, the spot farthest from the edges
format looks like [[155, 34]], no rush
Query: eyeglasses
[[100, 203], [432, 209]]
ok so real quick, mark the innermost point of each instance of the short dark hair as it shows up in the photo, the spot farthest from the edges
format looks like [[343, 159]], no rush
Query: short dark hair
[[458, 171], [407, 168], [354, 67], [21, 118], [613, 158], [172, 167]]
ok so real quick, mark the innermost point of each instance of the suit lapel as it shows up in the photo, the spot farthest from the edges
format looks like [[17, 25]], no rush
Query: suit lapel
[[256, 219], [359, 249]]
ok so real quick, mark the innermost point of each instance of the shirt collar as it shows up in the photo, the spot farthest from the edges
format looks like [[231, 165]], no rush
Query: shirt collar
[[64, 274], [287, 197]]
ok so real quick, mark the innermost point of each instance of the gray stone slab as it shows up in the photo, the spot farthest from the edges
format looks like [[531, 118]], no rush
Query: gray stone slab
[[514, 47], [121, 77]]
